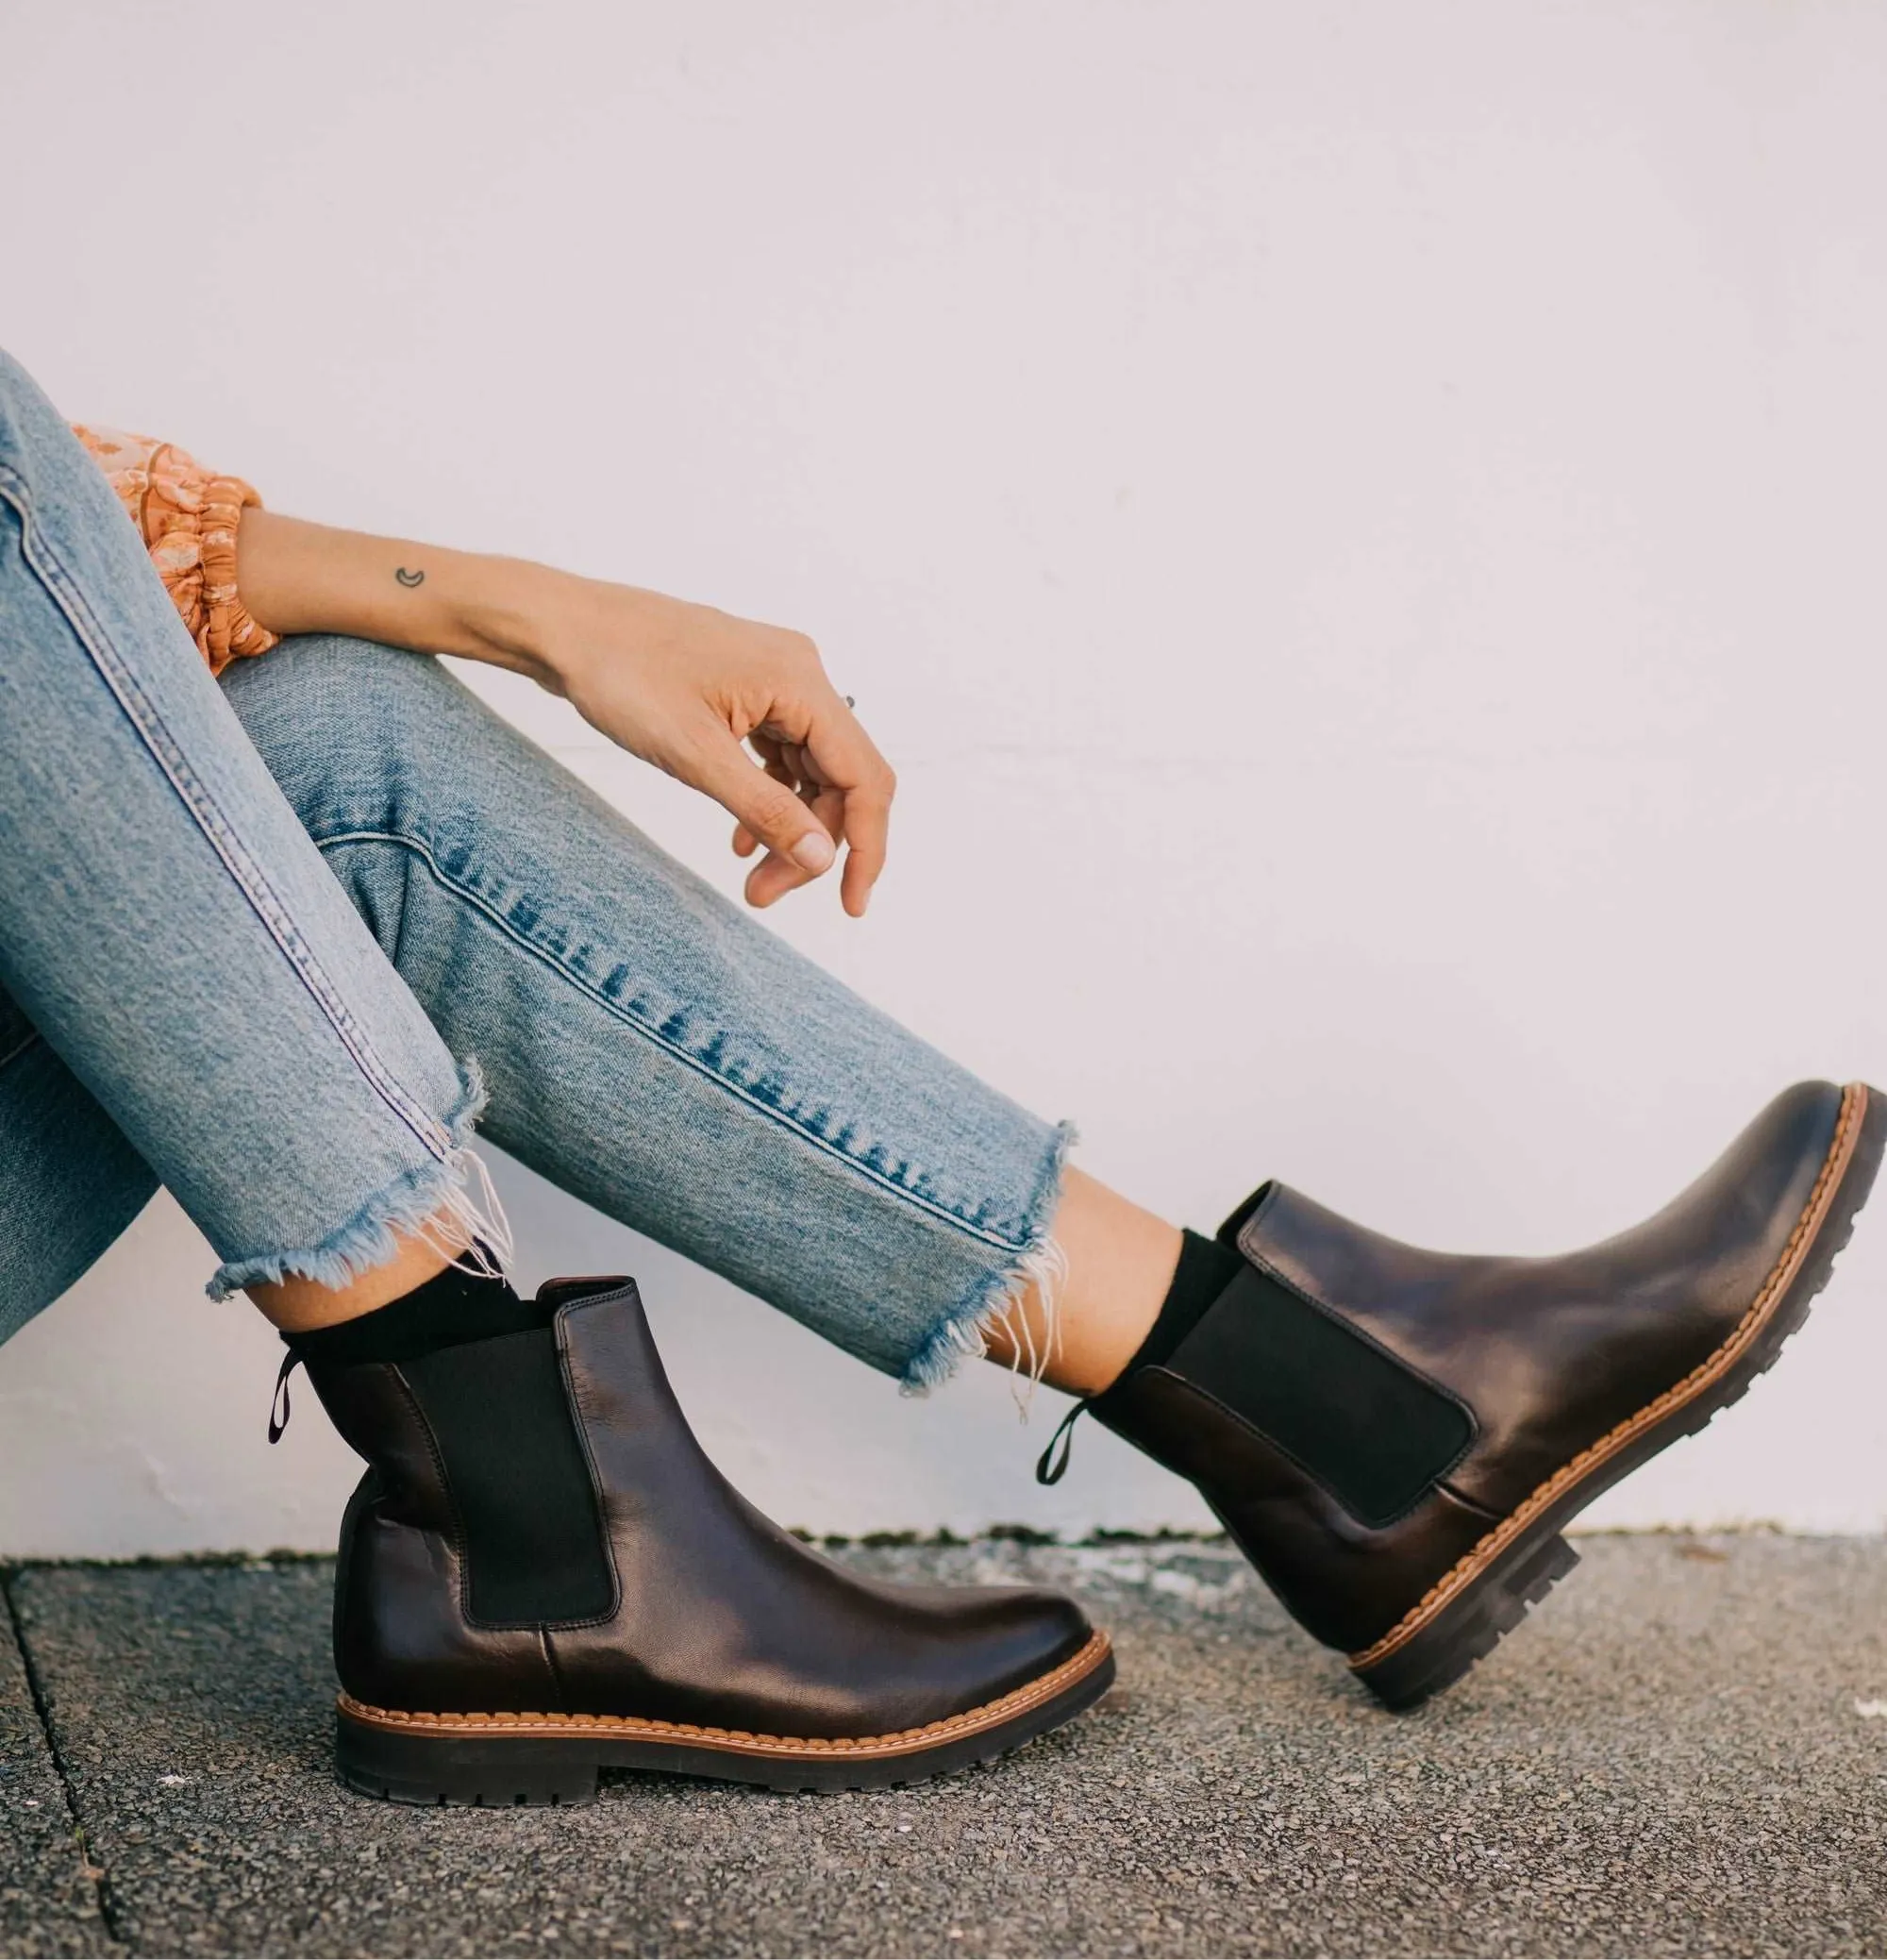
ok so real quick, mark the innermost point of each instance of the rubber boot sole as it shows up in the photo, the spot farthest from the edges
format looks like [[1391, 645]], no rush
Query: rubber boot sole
[[1464, 1616], [501, 1761]]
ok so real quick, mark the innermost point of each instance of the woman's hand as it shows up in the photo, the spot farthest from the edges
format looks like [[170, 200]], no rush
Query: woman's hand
[[683, 686]]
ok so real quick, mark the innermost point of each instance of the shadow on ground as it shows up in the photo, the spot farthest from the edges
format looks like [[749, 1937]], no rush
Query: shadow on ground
[[1676, 1755]]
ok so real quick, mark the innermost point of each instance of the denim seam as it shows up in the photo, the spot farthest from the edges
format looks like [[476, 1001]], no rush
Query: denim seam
[[369, 1238], [67, 594], [485, 909], [14, 1053]]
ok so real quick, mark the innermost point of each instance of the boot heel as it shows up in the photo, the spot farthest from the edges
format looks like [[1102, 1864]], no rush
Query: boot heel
[[1470, 1628], [487, 1772]]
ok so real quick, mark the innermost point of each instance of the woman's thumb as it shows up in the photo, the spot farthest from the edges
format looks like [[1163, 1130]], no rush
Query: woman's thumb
[[782, 823]]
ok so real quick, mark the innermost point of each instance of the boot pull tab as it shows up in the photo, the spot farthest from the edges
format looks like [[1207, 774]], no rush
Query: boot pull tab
[[290, 1362], [1051, 1467]]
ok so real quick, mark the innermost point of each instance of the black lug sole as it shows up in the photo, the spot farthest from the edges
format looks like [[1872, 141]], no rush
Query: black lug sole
[[428, 1761], [1495, 1601]]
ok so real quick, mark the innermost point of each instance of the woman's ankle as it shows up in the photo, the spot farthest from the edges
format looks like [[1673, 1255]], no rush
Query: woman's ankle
[[1119, 1266], [298, 1304]]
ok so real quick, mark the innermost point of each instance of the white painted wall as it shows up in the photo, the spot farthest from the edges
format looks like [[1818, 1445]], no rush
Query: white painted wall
[[1361, 525]]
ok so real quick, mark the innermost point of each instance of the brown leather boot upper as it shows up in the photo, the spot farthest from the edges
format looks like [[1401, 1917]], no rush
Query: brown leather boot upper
[[1521, 1386], [701, 1611]]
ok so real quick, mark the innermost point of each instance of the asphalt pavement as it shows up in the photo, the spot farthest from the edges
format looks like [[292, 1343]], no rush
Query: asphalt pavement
[[1684, 1751]]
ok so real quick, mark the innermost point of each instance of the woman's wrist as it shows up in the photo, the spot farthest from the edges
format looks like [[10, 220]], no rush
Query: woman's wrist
[[506, 611], [302, 577]]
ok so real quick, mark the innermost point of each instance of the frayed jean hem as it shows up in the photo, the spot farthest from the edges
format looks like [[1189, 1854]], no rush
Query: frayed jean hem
[[961, 1330], [433, 1200]]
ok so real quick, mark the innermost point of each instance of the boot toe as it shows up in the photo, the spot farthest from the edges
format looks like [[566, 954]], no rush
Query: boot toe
[[1044, 1628], [964, 1647]]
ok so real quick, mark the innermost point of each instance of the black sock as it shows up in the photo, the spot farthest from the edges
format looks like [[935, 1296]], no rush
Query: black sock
[[446, 1311], [1206, 1269]]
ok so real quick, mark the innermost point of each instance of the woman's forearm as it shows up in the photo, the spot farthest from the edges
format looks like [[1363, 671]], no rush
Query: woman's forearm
[[302, 577], [681, 685]]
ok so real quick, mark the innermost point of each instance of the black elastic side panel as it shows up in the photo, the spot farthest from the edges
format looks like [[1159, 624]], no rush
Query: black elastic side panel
[[1372, 1433], [534, 1547]]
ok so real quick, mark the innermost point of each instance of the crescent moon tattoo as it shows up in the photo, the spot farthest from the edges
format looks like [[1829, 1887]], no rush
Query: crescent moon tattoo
[[407, 578]]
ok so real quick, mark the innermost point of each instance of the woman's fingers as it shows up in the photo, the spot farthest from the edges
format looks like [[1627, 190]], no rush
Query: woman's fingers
[[784, 764], [820, 780], [766, 808], [867, 827], [844, 758], [774, 877]]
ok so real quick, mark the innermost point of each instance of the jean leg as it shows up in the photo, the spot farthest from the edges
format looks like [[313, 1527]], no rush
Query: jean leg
[[166, 925], [650, 1047], [69, 1181]]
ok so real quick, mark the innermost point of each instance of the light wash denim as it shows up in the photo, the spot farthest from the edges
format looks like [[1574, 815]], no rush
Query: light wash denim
[[196, 1001]]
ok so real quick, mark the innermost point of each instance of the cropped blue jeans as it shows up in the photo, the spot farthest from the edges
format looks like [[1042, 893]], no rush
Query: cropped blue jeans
[[279, 944]]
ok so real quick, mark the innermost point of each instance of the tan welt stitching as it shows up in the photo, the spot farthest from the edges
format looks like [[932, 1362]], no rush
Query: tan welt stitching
[[1854, 1100], [503, 1721]]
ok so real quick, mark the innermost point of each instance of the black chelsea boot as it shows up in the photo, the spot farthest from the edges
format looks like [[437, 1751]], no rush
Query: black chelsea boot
[[1398, 1438], [542, 1576]]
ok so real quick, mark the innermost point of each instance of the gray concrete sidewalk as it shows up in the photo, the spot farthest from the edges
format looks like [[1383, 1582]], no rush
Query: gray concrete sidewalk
[[1684, 1751]]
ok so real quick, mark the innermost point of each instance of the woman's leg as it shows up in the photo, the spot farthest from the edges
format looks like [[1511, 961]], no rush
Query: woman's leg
[[538, 1531], [192, 989], [1117, 1261], [1396, 1437], [69, 1181], [659, 1053]]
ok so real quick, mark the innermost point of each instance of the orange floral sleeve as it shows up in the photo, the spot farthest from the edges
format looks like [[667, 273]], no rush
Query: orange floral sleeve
[[187, 517]]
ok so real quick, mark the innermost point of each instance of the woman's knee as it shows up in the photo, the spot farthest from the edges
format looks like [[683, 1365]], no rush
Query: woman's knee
[[344, 725]]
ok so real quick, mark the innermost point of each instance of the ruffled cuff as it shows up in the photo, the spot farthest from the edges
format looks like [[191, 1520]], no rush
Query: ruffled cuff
[[188, 518]]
